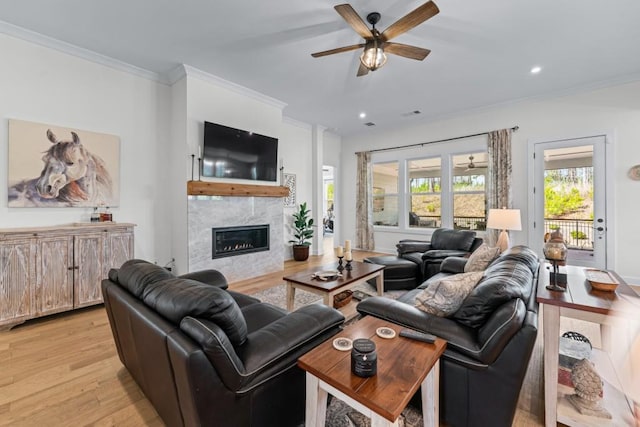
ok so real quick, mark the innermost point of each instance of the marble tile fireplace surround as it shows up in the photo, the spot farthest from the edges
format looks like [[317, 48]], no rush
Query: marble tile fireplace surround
[[208, 212]]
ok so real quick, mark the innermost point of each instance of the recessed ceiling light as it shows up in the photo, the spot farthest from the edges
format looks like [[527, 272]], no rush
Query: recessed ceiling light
[[363, 115], [536, 70]]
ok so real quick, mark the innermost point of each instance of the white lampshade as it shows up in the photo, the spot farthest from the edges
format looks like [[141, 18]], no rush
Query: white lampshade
[[504, 219]]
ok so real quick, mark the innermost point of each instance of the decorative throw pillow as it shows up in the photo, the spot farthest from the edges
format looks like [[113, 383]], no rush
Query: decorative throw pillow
[[445, 296], [480, 259]]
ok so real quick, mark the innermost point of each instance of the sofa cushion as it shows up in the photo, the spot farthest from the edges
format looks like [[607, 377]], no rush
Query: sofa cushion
[[135, 275], [437, 255], [178, 298], [480, 259], [445, 296], [507, 280], [446, 238], [522, 254]]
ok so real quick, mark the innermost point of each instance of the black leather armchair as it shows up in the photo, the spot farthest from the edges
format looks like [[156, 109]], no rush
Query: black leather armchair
[[490, 338], [207, 356], [445, 242]]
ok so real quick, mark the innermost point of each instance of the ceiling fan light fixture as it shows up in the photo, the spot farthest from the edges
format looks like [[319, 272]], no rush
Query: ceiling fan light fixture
[[373, 56]]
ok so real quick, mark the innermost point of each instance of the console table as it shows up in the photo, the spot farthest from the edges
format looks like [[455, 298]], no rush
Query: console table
[[581, 301]]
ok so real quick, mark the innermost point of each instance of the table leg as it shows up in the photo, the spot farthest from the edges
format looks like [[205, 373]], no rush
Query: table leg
[[380, 283], [430, 394], [551, 332], [378, 421], [291, 295], [605, 338], [316, 403]]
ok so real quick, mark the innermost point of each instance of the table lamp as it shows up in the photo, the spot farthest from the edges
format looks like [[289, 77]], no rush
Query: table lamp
[[504, 219]]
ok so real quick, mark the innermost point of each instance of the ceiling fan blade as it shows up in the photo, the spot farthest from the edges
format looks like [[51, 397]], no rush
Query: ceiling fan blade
[[337, 50], [351, 16], [410, 20], [412, 52], [362, 70]]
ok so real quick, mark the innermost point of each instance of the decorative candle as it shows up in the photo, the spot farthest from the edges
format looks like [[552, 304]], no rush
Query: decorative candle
[[347, 245], [339, 251], [347, 256], [199, 152]]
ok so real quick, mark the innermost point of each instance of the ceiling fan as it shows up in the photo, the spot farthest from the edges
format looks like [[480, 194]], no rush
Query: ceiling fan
[[377, 44]]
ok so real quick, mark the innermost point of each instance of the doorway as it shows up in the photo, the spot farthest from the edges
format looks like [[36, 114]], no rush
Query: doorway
[[570, 196], [328, 207]]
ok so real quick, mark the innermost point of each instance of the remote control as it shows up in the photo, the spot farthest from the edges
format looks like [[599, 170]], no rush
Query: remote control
[[418, 336]]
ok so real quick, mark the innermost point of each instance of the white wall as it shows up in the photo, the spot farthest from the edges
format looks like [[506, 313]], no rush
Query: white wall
[[44, 85], [614, 109]]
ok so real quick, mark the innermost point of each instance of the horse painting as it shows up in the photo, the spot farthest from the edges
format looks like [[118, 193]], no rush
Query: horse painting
[[71, 176]]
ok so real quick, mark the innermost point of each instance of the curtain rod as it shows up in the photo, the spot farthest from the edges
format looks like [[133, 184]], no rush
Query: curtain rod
[[420, 144]]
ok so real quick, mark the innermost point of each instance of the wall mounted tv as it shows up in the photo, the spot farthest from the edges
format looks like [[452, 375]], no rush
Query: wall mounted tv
[[235, 153]]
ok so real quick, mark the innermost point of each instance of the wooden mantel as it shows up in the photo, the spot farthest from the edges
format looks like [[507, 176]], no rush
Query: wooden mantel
[[207, 188]]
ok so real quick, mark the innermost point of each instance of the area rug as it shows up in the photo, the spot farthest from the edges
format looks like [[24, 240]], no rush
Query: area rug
[[339, 414]]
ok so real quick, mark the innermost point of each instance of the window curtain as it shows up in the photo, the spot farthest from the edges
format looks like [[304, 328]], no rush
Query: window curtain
[[364, 203], [499, 175]]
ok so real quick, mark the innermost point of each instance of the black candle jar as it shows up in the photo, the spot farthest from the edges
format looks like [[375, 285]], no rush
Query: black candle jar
[[364, 360]]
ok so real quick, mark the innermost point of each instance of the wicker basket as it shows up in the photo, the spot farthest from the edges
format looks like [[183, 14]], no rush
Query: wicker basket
[[342, 299]]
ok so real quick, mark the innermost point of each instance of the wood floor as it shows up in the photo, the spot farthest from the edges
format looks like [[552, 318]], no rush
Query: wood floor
[[63, 370]]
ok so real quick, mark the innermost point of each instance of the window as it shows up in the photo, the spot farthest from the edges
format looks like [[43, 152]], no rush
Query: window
[[425, 185], [385, 193], [469, 197]]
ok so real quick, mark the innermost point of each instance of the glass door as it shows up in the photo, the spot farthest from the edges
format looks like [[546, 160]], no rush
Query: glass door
[[570, 195]]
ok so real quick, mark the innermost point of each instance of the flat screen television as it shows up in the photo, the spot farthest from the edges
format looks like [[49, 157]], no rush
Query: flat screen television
[[236, 153]]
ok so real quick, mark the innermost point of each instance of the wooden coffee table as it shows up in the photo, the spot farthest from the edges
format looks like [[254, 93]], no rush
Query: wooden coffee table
[[404, 365], [361, 272]]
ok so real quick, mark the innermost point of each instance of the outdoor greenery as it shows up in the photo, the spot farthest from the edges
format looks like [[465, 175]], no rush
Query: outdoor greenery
[[559, 199]]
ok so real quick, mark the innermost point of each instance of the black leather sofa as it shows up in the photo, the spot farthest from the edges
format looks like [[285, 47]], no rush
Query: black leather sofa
[[444, 243], [207, 356], [490, 337]]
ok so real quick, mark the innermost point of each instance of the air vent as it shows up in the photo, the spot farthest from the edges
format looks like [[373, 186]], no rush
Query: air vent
[[369, 124], [411, 113]]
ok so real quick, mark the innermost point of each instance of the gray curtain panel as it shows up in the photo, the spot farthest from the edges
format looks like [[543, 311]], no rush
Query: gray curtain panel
[[499, 175], [364, 203]]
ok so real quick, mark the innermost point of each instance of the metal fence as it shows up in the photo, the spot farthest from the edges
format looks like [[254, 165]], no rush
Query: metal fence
[[577, 233]]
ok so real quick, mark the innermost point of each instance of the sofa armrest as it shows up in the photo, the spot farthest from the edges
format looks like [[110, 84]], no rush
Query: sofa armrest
[[210, 277], [406, 246], [267, 352], [453, 264]]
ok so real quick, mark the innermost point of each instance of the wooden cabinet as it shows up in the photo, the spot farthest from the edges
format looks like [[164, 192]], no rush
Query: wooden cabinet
[[17, 274], [48, 270]]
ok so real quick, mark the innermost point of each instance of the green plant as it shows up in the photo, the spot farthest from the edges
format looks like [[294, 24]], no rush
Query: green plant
[[578, 235], [302, 226]]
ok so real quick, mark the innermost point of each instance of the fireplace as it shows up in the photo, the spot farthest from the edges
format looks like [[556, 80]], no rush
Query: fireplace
[[231, 241]]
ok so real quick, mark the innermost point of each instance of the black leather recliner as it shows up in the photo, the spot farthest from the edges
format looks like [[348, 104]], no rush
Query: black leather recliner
[[207, 356], [444, 243], [490, 338]]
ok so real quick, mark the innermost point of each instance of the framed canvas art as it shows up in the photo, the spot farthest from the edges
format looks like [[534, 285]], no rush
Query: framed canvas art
[[290, 182], [53, 166]]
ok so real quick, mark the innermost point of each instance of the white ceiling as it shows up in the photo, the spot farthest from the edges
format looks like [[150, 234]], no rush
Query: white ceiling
[[482, 51]]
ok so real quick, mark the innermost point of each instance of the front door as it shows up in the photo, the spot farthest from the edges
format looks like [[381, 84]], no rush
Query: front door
[[569, 195]]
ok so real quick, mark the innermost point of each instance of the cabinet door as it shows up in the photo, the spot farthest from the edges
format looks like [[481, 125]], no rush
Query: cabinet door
[[119, 249], [17, 276], [89, 260], [54, 287]]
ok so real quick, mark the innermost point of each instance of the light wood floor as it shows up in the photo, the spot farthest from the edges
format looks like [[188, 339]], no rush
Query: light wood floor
[[63, 370]]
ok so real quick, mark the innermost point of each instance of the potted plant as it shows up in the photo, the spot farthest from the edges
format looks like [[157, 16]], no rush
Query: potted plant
[[302, 231]]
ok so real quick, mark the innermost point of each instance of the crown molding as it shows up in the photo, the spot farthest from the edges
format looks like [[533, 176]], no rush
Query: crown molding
[[226, 84], [80, 52], [297, 123]]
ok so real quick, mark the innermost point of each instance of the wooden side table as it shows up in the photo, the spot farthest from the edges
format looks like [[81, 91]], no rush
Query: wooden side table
[[403, 366], [581, 302]]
